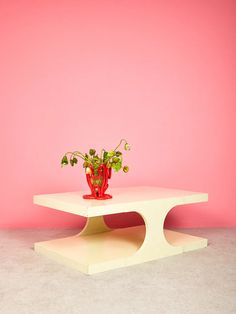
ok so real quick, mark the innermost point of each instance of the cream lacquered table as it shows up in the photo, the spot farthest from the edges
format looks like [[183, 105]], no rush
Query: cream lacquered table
[[98, 248]]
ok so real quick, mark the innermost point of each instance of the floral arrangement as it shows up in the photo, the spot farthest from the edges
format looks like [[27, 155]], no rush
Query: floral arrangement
[[98, 166], [112, 159]]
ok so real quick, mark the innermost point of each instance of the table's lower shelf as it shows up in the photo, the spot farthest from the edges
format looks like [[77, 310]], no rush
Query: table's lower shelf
[[112, 249]]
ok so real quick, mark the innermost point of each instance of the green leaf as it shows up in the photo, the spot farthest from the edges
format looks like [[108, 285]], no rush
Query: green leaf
[[111, 153], [116, 165], [95, 169], [95, 158], [105, 156], [116, 159]]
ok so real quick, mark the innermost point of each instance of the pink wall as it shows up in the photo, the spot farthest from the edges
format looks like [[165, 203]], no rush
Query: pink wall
[[81, 73]]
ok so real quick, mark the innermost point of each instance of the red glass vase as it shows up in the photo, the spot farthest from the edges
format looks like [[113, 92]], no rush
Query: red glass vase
[[98, 183]]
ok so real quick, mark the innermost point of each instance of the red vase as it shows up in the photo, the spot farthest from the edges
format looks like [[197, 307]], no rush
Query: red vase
[[98, 183]]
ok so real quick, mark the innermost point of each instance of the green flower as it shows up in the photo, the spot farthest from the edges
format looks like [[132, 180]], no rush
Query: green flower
[[64, 161], [92, 161], [111, 154], [127, 146], [71, 162], [92, 152], [116, 159], [125, 169], [75, 160]]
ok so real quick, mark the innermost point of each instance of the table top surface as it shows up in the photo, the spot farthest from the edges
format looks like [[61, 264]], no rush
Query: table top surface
[[124, 200]]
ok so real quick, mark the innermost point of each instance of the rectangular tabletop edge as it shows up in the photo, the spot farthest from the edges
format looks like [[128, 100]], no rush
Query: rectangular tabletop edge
[[98, 207], [62, 206]]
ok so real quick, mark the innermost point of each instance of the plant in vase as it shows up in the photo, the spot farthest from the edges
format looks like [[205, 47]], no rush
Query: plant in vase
[[98, 167]]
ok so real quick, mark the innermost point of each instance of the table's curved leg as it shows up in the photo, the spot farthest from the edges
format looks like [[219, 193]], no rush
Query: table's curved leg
[[155, 244], [120, 248], [94, 225]]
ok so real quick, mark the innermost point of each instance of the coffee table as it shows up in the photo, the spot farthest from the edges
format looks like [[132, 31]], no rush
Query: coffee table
[[98, 248]]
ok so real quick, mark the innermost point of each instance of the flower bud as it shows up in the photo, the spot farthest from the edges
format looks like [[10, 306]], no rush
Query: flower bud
[[127, 146]]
